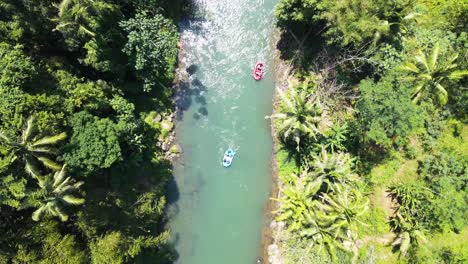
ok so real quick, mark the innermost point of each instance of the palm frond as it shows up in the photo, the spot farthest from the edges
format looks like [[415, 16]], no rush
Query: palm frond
[[59, 176], [63, 7], [27, 132], [458, 75], [442, 94], [405, 243], [422, 60], [31, 168], [418, 91], [50, 140], [43, 150], [58, 211], [4, 138], [49, 163], [73, 200], [408, 66], [62, 185], [285, 99], [87, 31], [37, 215], [434, 56]]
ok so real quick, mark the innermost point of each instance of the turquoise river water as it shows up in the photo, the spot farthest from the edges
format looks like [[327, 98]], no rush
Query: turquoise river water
[[217, 214]]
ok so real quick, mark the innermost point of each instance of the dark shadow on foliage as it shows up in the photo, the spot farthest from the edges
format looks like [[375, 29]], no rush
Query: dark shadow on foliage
[[128, 198], [300, 46]]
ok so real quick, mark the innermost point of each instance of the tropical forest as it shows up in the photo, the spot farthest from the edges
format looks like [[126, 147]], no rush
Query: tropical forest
[[372, 129], [81, 177], [235, 132]]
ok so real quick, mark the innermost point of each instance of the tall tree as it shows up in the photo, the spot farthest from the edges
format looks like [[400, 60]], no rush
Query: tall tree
[[386, 115], [325, 204], [152, 47], [30, 149], [56, 192], [301, 116], [430, 74], [74, 19]]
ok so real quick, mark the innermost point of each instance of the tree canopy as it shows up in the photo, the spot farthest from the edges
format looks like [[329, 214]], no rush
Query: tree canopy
[[75, 152]]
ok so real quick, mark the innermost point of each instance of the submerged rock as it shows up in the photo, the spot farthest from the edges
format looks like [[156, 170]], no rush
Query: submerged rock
[[176, 149]]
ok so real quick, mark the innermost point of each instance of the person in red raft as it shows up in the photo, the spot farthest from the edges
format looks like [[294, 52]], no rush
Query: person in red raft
[[258, 71]]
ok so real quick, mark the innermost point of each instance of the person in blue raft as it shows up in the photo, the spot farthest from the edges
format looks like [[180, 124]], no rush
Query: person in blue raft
[[228, 157]]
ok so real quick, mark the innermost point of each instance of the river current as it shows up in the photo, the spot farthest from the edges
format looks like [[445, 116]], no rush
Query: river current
[[216, 213]]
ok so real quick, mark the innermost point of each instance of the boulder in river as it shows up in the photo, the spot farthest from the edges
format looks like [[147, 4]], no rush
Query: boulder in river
[[176, 149]]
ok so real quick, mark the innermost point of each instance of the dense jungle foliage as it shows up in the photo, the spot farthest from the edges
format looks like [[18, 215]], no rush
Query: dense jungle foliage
[[81, 177], [373, 131]]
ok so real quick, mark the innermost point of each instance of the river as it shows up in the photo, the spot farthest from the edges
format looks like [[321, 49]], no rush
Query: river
[[217, 214]]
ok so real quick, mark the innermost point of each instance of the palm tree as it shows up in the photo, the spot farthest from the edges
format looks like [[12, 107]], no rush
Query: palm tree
[[323, 204], [329, 169], [335, 137], [295, 202], [334, 218], [406, 239], [32, 149], [430, 74], [76, 14], [301, 117], [56, 192], [408, 214]]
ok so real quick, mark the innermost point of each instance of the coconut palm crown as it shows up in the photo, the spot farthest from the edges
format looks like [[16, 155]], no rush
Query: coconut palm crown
[[430, 74], [301, 117], [33, 149], [57, 192]]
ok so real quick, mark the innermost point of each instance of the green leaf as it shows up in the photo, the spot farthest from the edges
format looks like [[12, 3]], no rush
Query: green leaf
[[50, 163], [457, 75], [57, 211], [442, 94], [73, 200], [27, 132], [50, 140], [59, 176], [4, 138], [434, 56], [37, 215]]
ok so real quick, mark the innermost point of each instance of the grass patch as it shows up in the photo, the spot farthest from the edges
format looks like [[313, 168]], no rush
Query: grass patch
[[377, 253], [383, 173], [376, 222], [454, 138], [408, 172], [444, 248], [286, 165]]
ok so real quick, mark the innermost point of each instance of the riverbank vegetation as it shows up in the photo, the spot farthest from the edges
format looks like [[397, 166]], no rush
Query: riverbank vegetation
[[372, 132], [85, 96]]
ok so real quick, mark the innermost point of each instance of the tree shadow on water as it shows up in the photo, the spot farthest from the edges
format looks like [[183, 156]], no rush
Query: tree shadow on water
[[188, 93]]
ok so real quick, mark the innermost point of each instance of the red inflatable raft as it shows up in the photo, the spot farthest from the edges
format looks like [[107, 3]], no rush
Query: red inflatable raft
[[258, 71]]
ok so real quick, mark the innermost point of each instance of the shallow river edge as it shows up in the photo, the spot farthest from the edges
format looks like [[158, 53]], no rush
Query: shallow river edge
[[282, 73]]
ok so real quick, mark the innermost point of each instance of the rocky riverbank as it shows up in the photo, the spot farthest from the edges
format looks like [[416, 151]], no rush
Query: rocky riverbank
[[270, 249]]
